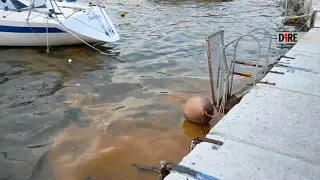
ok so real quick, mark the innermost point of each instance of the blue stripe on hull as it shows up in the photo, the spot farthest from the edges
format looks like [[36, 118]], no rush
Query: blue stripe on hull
[[16, 29]]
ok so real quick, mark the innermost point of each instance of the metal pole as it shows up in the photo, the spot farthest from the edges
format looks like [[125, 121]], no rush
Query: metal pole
[[247, 64], [232, 67], [269, 48], [285, 12], [235, 55]]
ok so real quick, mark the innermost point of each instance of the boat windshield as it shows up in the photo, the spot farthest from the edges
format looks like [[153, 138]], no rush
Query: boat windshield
[[21, 4], [17, 4], [13, 4]]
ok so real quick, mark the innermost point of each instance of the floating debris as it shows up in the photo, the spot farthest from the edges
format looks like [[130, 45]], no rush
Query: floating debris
[[37, 146], [117, 108], [145, 168], [146, 76]]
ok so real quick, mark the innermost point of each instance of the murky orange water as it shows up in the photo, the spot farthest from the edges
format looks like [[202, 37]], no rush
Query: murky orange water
[[110, 152]]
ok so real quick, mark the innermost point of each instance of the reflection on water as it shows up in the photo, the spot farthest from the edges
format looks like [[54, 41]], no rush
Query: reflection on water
[[193, 130], [95, 117]]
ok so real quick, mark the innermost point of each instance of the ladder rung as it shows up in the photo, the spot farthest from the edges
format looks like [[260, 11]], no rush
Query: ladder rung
[[242, 74], [248, 64]]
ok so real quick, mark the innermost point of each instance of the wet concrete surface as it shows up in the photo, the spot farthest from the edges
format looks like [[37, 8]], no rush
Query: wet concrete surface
[[96, 117]]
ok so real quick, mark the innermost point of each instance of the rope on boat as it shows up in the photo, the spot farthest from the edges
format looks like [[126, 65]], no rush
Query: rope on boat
[[305, 24], [48, 50], [105, 31], [294, 17], [88, 25], [30, 7], [3, 14], [57, 19], [58, 8], [295, 10], [34, 32], [110, 28]]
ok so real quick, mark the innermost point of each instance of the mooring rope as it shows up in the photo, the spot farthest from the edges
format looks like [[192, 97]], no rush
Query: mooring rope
[[294, 17], [224, 98], [48, 50], [306, 23], [34, 32], [101, 52], [206, 113]]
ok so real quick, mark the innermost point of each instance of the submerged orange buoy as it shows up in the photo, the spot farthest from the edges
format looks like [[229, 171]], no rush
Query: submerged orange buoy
[[198, 109]]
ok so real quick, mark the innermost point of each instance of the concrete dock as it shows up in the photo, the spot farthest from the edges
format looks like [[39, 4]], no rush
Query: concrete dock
[[274, 132]]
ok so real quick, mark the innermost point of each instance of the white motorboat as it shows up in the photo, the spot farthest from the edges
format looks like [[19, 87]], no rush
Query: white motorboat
[[52, 23]]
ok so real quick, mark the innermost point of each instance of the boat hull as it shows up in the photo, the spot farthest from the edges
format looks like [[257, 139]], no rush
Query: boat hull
[[54, 39], [39, 30]]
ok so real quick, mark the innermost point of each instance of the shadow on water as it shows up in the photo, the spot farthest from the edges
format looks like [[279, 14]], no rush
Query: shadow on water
[[35, 60], [194, 130]]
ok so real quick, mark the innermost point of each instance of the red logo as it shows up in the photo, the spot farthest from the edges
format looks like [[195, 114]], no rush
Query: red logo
[[286, 37]]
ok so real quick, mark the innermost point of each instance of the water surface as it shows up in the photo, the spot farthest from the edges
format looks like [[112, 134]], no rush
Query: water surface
[[95, 117]]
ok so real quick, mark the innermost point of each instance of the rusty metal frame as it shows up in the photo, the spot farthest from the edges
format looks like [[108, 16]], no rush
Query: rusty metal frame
[[211, 73], [210, 70], [230, 70], [232, 65]]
